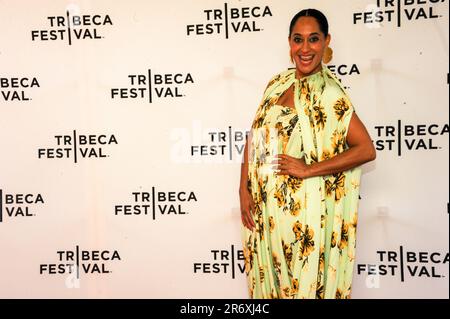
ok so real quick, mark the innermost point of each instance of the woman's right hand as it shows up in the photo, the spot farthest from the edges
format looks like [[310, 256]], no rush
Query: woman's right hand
[[247, 208]]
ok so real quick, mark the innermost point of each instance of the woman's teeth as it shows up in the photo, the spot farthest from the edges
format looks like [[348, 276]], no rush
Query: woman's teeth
[[306, 58]]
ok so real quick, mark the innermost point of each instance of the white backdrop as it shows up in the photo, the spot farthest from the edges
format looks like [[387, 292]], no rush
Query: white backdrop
[[147, 204]]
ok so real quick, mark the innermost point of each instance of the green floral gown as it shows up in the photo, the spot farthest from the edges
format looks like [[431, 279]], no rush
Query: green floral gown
[[303, 245]]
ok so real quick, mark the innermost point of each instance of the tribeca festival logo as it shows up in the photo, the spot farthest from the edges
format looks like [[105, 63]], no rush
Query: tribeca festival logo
[[74, 263], [17, 88], [404, 137], [151, 86], [230, 20], [19, 205], [229, 262], [78, 146], [397, 11], [405, 264], [72, 26], [157, 203], [342, 71], [228, 143], [207, 145]]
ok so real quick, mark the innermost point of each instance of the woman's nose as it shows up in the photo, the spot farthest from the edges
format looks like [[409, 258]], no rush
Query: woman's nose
[[304, 48]]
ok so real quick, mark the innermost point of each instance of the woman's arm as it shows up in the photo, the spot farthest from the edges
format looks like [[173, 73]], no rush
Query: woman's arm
[[244, 167], [245, 197], [360, 151]]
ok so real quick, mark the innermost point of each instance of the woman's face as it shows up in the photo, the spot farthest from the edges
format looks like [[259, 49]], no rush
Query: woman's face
[[307, 45]]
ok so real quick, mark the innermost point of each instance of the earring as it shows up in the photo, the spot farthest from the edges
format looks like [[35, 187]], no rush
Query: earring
[[327, 55]]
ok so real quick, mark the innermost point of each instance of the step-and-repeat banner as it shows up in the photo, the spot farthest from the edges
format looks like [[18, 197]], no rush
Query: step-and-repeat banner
[[122, 127]]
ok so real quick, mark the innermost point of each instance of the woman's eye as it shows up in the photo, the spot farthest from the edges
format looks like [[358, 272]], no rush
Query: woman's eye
[[297, 40], [313, 39]]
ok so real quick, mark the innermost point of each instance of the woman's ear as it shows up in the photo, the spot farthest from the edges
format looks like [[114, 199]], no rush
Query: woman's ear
[[328, 39], [328, 52]]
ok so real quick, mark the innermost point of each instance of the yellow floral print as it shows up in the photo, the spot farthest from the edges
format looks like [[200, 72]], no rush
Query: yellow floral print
[[341, 107], [307, 242], [271, 224], [303, 245], [320, 116], [335, 186]]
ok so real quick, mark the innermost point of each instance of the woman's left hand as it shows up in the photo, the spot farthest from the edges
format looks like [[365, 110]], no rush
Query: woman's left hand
[[288, 165]]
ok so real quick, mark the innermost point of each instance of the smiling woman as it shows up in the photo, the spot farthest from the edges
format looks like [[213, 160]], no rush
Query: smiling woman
[[299, 219], [308, 38]]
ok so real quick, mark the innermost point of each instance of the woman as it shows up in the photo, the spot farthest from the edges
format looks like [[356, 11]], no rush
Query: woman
[[299, 186]]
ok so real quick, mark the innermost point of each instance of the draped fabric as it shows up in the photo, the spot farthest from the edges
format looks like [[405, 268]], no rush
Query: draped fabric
[[303, 245]]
